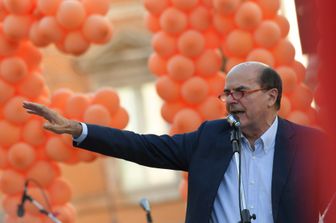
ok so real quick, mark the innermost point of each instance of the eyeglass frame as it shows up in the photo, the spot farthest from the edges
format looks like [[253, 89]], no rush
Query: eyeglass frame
[[225, 94]]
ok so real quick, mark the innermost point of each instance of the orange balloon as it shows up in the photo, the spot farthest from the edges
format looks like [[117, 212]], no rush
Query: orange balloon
[[7, 46], [300, 70], [21, 155], [156, 7], [108, 98], [187, 120], [33, 133], [169, 110], [86, 156], [66, 214], [200, 18], [164, 44], [48, 7], [185, 5], [119, 119], [36, 37], [167, 89], [29, 218], [3, 158], [299, 117], [57, 150], [6, 92], [239, 43], [180, 68], [70, 14], [75, 43], [226, 7], [209, 63], [285, 107], [13, 69], [195, 90], [50, 30], [11, 135], [60, 97], [267, 34], [231, 62], [43, 172], [11, 182], [30, 54], [3, 12], [212, 40], [97, 114], [39, 197], [212, 108], [284, 52], [261, 55], [216, 84], [16, 27], [97, 29], [269, 7], [191, 43], [10, 204], [152, 23], [223, 24], [248, 15], [60, 191], [183, 189], [302, 97], [14, 112], [173, 21], [18, 6], [283, 24], [76, 106], [96, 6], [288, 77], [32, 87], [207, 3], [10, 219], [157, 65]]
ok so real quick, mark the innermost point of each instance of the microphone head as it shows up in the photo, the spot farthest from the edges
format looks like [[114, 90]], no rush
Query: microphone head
[[20, 211], [144, 203], [233, 120]]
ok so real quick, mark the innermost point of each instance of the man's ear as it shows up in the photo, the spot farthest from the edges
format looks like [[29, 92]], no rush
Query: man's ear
[[272, 95]]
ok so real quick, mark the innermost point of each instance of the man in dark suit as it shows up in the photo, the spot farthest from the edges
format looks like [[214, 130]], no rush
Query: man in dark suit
[[280, 164]]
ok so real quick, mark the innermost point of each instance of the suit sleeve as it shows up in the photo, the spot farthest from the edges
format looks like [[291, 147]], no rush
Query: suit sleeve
[[170, 152]]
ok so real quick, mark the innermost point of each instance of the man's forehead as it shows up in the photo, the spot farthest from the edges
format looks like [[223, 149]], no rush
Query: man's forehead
[[245, 73]]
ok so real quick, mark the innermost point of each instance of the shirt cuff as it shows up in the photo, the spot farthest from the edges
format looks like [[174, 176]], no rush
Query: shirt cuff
[[83, 135]]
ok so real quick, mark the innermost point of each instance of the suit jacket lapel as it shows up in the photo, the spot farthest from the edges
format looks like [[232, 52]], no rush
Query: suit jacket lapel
[[283, 160]]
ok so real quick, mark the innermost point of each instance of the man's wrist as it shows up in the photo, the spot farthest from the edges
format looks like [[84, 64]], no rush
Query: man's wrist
[[76, 129]]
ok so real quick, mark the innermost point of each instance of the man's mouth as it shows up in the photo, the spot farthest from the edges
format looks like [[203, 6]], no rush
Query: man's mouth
[[237, 112]]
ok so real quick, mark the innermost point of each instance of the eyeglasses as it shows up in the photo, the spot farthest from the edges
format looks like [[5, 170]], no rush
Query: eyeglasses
[[237, 94]]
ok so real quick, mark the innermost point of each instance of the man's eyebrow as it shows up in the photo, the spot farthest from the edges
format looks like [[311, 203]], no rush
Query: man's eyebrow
[[236, 89]]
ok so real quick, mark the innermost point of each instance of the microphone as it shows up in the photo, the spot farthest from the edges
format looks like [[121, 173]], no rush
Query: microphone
[[233, 120], [144, 203], [20, 210]]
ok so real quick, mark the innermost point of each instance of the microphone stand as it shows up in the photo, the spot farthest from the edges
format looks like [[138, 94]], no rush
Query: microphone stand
[[245, 216], [51, 216]]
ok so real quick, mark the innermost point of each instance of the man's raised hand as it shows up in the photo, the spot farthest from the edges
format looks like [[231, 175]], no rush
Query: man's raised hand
[[56, 122]]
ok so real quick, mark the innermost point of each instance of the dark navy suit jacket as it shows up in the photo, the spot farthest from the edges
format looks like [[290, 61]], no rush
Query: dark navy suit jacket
[[206, 154]]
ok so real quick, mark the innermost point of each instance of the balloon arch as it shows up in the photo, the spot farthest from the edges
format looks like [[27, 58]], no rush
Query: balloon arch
[[195, 42]]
